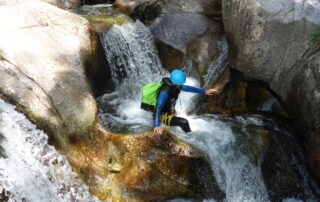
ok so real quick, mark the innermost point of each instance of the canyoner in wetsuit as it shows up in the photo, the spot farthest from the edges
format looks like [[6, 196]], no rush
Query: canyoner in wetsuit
[[167, 98]]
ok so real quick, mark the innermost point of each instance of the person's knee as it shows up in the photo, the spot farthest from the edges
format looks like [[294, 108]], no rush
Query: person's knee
[[185, 125], [184, 122]]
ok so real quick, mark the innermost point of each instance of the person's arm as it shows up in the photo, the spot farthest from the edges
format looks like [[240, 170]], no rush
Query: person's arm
[[161, 101], [198, 90], [192, 89]]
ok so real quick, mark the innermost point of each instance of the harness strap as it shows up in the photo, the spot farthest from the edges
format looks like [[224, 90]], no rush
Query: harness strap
[[166, 119]]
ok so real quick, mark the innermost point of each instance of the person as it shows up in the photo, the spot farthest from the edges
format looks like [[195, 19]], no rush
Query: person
[[167, 98]]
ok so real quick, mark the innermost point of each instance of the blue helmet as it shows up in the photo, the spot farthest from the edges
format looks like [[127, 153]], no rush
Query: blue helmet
[[178, 77]]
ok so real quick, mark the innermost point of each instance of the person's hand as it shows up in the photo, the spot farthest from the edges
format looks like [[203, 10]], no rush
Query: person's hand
[[212, 91], [158, 130]]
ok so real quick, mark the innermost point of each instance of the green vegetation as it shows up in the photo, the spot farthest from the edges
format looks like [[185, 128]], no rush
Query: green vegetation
[[316, 37]]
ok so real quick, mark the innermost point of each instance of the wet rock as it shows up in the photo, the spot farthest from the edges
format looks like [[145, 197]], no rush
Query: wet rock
[[147, 11], [204, 49], [314, 151], [210, 8], [170, 57], [239, 96], [181, 36], [124, 6], [102, 17], [270, 41], [269, 142], [144, 167], [231, 98], [283, 167], [43, 56], [177, 30], [305, 91]]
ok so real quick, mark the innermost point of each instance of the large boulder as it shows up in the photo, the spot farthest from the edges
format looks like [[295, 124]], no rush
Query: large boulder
[[43, 54], [181, 36], [270, 41], [185, 32], [143, 167], [306, 91]]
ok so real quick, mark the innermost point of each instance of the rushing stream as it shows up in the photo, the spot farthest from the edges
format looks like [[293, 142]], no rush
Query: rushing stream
[[30, 169], [134, 62]]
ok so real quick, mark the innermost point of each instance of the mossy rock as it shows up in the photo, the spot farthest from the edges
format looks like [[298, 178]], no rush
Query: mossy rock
[[142, 167], [102, 17]]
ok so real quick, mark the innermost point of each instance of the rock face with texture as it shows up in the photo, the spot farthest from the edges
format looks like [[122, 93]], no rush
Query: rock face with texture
[[186, 33], [43, 52], [143, 167], [270, 41], [283, 165]]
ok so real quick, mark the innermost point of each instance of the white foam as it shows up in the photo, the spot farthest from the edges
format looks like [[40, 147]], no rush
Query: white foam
[[33, 170]]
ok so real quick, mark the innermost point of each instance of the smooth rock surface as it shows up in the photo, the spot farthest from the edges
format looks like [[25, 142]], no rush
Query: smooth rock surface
[[270, 41], [43, 52]]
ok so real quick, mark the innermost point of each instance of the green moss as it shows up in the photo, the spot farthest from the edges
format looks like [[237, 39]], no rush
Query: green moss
[[316, 37], [105, 19]]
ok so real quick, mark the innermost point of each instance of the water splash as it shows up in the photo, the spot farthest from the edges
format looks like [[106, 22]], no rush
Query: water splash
[[131, 55], [134, 62], [30, 169], [235, 174]]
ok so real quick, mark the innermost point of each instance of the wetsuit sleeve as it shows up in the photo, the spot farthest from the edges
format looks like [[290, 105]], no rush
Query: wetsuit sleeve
[[192, 89], [161, 101]]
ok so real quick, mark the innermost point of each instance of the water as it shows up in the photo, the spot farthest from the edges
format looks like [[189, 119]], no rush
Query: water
[[131, 55], [235, 174], [217, 66], [134, 62], [30, 169]]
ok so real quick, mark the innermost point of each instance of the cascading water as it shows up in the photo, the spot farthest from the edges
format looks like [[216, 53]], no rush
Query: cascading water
[[30, 169], [217, 66], [134, 62]]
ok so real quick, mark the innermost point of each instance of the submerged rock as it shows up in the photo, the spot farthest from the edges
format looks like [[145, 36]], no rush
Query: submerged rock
[[270, 143], [144, 167], [239, 96], [43, 55], [270, 41]]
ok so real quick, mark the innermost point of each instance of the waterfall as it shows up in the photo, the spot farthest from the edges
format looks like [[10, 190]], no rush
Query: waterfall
[[235, 174], [131, 54], [134, 62], [30, 169], [217, 66]]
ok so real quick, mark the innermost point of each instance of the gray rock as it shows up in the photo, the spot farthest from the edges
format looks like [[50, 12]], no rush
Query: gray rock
[[204, 7], [270, 41], [43, 51], [177, 30]]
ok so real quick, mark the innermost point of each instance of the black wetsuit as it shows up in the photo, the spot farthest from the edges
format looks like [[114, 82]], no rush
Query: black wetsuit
[[167, 98]]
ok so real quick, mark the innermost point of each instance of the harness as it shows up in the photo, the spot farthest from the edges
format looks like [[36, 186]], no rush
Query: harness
[[166, 119]]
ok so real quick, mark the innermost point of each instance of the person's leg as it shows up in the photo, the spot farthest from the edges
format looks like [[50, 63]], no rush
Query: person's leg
[[182, 122]]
